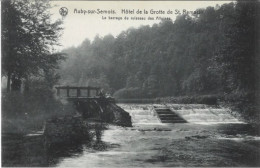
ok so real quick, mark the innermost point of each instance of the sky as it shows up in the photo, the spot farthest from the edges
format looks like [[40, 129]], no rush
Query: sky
[[79, 25]]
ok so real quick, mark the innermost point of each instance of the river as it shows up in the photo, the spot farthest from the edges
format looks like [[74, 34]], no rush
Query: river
[[211, 137]]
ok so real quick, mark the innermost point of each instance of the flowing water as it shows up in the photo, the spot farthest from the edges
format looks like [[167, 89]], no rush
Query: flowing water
[[211, 137]]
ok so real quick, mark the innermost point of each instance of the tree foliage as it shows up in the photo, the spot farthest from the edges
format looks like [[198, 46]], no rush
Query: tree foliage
[[28, 40], [207, 53]]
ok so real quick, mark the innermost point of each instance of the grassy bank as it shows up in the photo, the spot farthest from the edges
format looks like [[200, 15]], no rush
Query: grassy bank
[[198, 99], [203, 99], [27, 112]]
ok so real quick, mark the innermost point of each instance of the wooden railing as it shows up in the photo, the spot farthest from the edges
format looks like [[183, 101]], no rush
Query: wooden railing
[[78, 89]]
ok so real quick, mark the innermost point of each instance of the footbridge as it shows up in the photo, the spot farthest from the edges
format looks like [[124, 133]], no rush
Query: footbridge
[[93, 104]]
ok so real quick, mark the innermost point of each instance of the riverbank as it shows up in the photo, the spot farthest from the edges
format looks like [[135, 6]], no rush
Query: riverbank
[[27, 112]]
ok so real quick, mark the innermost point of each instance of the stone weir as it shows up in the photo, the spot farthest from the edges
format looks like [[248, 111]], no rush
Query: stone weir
[[102, 109]]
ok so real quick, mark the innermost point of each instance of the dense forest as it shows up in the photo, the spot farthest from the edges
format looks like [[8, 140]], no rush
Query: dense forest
[[214, 52]]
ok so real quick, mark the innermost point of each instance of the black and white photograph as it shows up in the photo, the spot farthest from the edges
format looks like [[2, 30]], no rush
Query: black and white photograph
[[130, 83]]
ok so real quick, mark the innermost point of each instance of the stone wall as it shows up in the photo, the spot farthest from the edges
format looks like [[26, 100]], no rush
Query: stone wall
[[104, 110]]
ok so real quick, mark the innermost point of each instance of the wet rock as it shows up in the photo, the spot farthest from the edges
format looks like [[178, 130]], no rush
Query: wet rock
[[162, 129], [154, 129], [120, 116], [196, 137]]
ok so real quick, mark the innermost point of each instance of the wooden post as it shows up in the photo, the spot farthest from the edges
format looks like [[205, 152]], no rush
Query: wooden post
[[58, 91], [97, 90], [88, 92], [8, 82], [68, 92], [78, 92]]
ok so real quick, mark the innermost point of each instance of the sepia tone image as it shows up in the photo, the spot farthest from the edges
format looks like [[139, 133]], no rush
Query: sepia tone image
[[130, 83]]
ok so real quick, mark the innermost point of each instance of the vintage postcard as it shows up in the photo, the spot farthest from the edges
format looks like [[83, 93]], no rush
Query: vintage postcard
[[130, 83]]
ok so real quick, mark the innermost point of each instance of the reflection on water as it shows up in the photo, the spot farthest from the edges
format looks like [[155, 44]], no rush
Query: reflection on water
[[55, 154], [20, 151], [24, 152], [223, 141]]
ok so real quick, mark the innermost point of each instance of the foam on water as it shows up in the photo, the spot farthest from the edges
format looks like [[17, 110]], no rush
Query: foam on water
[[193, 113], [240, 138], [208, 116]]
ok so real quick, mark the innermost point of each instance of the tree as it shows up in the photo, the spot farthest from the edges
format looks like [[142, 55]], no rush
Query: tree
[[28, 40], [238, 58]]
